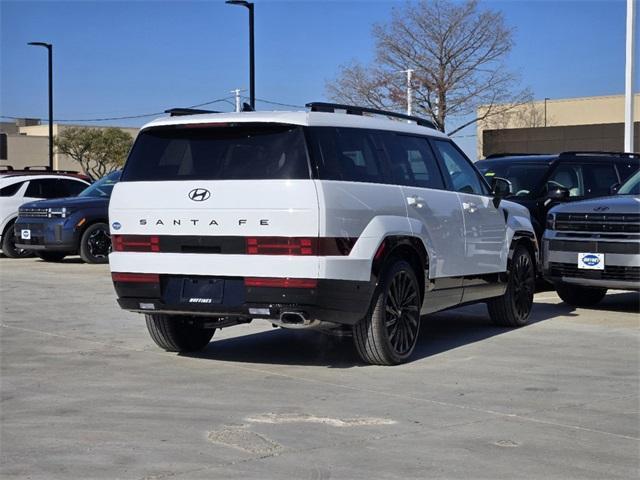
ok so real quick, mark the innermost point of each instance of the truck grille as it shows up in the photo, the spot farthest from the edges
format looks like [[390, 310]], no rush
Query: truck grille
[[34, 212], [628, 274], [598, 222]]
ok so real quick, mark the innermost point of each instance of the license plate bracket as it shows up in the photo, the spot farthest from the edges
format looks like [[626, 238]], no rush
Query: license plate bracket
[[591, 261], [202, 291]]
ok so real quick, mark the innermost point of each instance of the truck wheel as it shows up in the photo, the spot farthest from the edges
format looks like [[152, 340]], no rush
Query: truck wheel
[[578, 296], [95, 244], [51, 256], [389, 332], [175, 333], [9, 245], [514, 307]]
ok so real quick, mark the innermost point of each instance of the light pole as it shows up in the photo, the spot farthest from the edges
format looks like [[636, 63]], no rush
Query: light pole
[[252, 70], [49, 48], [545, 110]]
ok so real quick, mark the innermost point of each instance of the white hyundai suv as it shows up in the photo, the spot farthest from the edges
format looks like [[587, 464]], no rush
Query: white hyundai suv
[[334, 218]]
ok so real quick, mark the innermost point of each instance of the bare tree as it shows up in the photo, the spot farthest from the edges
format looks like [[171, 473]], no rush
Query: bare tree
[[457, 52], [98, 151]]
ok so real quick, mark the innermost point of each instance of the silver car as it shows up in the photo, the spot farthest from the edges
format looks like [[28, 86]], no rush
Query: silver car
[[594, 245]]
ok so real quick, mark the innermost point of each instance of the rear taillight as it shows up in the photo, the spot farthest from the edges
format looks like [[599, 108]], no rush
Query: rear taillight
[[135, 277], [281, 282], [135, 243], [282, 246]]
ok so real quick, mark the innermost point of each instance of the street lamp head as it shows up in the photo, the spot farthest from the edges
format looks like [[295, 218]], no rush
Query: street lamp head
[[242, 3], [40, 44]]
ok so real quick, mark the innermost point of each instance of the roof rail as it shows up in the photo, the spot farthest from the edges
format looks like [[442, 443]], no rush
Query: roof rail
[[6, 168], [355, 110], [175, 112], [46, 168], [604, 154], [500, 155]]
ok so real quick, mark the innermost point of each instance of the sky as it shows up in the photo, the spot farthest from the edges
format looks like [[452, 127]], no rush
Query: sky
[[114, 58]]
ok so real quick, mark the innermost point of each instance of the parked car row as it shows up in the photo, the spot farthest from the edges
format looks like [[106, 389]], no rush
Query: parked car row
[[53, 214], [380, 221]]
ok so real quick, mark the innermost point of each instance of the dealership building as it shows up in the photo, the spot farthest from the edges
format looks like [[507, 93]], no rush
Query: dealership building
[[558, 125], [25, 142]]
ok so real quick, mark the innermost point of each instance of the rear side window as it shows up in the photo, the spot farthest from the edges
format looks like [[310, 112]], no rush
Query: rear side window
[[412, 161], [220, 152], [70, 188], [10, 190], [626, 169], [348, 154]]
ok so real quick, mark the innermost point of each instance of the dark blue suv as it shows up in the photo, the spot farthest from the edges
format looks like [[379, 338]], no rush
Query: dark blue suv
[[59, 227]]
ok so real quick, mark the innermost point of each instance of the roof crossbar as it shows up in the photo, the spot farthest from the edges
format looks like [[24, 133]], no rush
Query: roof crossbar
[[175, 112], [355, 110]]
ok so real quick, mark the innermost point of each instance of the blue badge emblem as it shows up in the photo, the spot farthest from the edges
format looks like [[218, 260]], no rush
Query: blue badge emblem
[[116, 225]]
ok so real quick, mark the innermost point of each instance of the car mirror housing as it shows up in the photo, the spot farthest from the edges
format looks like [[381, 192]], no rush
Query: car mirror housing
[[501, 187], [558, 194]]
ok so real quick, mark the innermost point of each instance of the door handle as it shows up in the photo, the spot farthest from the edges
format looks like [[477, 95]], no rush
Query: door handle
[[469, 207], [415, 201]]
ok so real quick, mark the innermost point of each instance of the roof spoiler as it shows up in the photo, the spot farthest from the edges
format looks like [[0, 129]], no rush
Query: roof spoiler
[[176, 112]]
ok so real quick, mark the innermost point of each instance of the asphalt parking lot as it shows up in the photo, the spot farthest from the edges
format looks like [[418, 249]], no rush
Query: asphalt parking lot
[[86, 394]]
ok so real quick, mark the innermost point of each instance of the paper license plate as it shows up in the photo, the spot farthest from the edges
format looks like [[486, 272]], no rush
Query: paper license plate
[[591, 261], [202, 291], [25, 234]]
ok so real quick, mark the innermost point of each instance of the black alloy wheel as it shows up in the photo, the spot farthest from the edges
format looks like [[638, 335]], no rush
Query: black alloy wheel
[[95, 244], [514, 307], [402, 313], [388, 334]]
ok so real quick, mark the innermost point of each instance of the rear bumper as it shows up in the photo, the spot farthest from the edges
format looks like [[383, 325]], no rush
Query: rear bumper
[[336, 301]]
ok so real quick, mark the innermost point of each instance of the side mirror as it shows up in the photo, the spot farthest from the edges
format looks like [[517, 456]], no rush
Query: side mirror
[[558, 194], [501, 187]]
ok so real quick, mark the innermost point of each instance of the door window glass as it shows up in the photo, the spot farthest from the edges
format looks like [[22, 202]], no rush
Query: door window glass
[[42, 188], [412, 161], [463, 175], [599, 179], [569, 177]]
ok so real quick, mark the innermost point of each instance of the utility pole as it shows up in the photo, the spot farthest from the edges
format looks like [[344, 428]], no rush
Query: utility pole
[[545, 110], [409, 72], [236, 92], [628, 84]]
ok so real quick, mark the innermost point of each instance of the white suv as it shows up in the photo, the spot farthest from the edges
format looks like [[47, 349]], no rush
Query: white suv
[[314, 219]]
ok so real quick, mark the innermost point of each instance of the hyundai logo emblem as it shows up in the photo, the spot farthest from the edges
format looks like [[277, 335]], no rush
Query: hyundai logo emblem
[[601, 209], [199, 194]]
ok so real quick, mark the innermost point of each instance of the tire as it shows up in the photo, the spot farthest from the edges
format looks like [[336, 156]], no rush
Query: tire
[[578, 296], [9, 245], [95, 244], [175, 333], [51, 256], [514, 307], [389, 332]]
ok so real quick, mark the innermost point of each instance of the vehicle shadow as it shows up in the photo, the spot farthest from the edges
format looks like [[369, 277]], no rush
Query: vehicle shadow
[[69, 260], [439, 333]]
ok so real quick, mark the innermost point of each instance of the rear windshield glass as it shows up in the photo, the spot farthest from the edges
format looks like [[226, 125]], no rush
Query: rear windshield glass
[[525, 178], [220, 152]]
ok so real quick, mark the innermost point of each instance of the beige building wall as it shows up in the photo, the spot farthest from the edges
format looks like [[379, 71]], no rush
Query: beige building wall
[[559, 113], [31, 146]]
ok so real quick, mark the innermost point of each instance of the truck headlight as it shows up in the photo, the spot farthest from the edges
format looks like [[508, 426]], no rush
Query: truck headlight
[[551, 221], [58, 212]]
